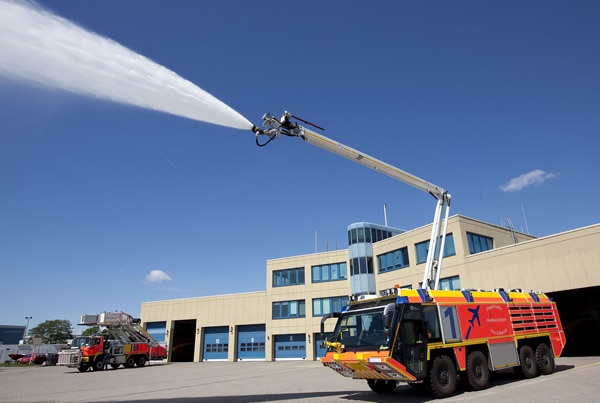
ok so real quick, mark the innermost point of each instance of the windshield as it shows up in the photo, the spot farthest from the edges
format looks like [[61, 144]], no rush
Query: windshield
[[80, 341], [362, 330]]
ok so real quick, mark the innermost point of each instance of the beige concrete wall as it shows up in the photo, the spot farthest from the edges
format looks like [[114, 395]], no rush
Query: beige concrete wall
[[230, 310], [458, 226], [568, 260], [563, 261], [309, 324]]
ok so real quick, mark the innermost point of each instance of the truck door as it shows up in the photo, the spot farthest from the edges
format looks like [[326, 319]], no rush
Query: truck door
[[412, 346]]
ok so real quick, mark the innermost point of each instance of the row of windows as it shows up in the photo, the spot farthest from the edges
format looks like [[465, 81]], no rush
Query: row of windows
[[289, 309], [398, 259], [479, 243], [422, 248], [257, 346], [329, 272], [361, 235], [293, 347], [393, 260], [321, 273], [283, 278], [450, 283], [217, 348], [323, 306], [361, 265], [297, 309]]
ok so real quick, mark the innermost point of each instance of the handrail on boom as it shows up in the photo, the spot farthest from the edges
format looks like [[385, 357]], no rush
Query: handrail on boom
[[273, 128]]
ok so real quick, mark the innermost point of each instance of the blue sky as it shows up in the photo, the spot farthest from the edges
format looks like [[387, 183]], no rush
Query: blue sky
[[496, 102]]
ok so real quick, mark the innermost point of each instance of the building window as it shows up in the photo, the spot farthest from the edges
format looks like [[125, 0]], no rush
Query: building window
[[361, 265], [284, 278], [479, 243], [393, 260], [323, 306], [289, 309], [450, 283], [423, 247], [252, 347], [366, 234], [329, 272]]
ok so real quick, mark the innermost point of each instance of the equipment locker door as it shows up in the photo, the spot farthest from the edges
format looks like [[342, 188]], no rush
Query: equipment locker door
[[216, 343], [290, 347], [251, 342]]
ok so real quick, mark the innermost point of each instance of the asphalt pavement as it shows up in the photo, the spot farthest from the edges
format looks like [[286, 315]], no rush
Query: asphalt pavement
[[575, 379]]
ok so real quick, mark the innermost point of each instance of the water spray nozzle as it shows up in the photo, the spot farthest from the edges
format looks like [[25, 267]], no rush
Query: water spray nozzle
[[257, 130]]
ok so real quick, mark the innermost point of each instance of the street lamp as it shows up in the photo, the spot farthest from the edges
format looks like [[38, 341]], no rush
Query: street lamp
[[26, 326]]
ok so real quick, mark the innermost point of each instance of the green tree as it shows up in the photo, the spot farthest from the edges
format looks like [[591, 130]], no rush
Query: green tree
[[52, 331], [91, 330]]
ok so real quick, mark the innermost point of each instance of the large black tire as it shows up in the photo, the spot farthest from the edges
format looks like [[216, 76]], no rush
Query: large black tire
[[442, 377], [528, 368], [478, 371], [83, 367], [544, 359], [382, 385], [141, 361], [98, 365], [130, 362]]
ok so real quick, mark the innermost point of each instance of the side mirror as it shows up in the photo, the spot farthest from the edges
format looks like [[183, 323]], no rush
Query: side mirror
[[388, 317], [324, 318]]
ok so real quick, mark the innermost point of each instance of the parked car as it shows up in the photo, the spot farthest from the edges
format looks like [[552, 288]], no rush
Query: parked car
[[35, 358], [16, 357]]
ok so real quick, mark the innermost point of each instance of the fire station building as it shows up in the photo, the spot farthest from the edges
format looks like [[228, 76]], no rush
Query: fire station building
[[284, 321]]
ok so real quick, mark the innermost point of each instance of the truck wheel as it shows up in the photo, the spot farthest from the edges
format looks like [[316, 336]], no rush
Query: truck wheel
[[130, 362], [98, 365], [544, 359], [83, 368], [381, 385], [442, 377], [141, 361], [528, 368], [478, 372]]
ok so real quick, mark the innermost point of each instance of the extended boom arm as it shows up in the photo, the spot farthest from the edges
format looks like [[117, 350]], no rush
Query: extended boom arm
[[273, 128]]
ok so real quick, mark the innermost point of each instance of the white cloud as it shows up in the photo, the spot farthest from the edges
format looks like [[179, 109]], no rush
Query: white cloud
[[157, 276], [534, 177]]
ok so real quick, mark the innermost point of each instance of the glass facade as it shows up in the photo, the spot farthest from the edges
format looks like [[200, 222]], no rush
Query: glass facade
[[323, 306], [284, 278], [450, 283], [361, 237], [329, 272], [369, 234], [394, 260], [479, 243], [422, 248], [361, 265], [289, 309]]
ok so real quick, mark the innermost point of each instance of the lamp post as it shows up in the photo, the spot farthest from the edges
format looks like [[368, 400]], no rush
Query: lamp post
[[26, 326]]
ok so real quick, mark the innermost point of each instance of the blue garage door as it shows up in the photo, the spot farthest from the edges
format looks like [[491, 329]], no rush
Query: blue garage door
[[216, 343], [321, 351], [251, 342], [290, 346], [157, 330]]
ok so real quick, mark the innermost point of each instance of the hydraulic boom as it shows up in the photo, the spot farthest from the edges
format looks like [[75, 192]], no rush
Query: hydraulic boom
[[273, 128]]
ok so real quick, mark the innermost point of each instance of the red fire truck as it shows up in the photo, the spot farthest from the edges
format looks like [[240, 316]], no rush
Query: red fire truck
[[131, 344], [432, 338]]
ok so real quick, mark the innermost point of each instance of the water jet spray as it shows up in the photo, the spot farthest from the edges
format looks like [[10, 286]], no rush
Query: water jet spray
[[40, 47]]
